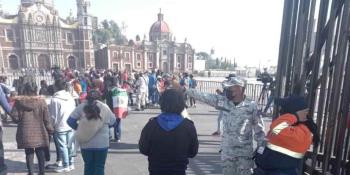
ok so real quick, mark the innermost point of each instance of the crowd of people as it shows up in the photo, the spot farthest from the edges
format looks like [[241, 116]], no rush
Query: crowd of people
[[79, 108]]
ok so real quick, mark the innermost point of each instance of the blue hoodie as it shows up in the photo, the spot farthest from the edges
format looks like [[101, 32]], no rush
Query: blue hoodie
[[169, 121]]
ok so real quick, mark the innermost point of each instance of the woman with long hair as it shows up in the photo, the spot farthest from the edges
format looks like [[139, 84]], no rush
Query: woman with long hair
[[30, 112], [92, 132]]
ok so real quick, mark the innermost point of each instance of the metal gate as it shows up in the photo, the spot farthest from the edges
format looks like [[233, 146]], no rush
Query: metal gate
[[314, 52]]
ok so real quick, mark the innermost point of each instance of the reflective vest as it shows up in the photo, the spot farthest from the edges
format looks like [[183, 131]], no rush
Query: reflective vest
[[287, 139]]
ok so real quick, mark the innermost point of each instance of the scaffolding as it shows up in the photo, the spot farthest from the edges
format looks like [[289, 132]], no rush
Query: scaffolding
[[314, 52]]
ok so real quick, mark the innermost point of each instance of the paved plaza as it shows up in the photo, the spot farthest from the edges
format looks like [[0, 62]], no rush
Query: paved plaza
[[124, 158]]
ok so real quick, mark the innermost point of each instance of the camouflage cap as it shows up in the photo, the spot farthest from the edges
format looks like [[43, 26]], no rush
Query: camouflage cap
[[233, 81]]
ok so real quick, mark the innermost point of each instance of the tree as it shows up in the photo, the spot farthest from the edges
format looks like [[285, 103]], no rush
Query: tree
[[109, 32], [203, 55]]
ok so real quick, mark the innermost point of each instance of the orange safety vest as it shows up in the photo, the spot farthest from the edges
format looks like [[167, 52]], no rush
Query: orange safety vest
[[287, 139]]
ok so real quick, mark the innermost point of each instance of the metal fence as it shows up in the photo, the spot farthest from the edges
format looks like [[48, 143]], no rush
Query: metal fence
[[252, 91], [321, 58]]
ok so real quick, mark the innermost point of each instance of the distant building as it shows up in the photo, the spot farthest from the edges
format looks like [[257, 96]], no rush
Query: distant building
[[37, 37], [161, 52]]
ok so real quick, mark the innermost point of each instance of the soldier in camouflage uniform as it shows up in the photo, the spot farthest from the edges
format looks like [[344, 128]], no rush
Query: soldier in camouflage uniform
[[240, 119]]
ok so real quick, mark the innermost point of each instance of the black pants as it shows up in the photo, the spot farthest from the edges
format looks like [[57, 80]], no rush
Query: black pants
[[131, 101], [192, 101], [40, 154]]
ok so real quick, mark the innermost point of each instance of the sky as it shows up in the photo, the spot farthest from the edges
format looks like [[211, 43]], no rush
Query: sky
[[248, 30]]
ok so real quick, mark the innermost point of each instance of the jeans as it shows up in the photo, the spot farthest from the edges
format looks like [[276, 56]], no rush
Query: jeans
[[65, 151], [156, 97], [150, 95], [94, 161], [40, 154], [117, 129], [58, 155]]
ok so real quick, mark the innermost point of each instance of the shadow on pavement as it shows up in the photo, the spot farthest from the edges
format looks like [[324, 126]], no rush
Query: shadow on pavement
[[206, 163], [114, 145], [16, 166]]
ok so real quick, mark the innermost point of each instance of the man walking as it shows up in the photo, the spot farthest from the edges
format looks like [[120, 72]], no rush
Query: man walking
[[61, 106], [240, 119]]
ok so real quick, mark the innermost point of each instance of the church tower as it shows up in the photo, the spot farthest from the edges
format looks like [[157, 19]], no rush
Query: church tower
[[86, 56]]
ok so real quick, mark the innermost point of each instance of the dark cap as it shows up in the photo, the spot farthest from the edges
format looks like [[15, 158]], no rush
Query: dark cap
[[292, 104], [230, 76]]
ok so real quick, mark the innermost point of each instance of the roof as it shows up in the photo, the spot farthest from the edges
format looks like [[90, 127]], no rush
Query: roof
[[160, 26]]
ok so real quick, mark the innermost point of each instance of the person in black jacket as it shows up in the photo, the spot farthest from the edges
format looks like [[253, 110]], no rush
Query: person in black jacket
[[169, 139]]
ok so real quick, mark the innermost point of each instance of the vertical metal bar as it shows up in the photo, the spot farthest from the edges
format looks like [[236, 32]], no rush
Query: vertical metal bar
[[335, 97], [283, 48]]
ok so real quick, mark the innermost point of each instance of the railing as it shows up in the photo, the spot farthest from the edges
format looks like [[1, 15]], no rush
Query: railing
[[252, 91], [11, 78]]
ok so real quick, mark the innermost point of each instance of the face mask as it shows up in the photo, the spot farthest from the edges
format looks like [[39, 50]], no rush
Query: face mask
[[228, 94]]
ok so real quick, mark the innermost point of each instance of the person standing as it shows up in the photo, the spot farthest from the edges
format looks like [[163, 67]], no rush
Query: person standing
[[192, 85], [92, 120], [61, 106], [169, 139], [141, 90], [31, 114], [289, 138], [240, 119], [152, 80]]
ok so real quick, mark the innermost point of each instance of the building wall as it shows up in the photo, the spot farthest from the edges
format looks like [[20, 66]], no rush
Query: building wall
[[43, 43]]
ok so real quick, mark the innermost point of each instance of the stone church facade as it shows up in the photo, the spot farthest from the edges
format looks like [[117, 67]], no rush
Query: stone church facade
[[37, 37], [159, 52]]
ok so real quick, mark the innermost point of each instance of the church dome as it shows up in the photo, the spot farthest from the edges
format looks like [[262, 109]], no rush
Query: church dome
[[48, 3], [160, 29]]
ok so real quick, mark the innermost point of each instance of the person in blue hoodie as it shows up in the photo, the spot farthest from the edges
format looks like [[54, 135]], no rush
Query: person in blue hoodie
[[169, 139], [152, 87]]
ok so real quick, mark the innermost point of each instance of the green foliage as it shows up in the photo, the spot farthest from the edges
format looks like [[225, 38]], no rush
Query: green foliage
[[109, 33], [216, 63]]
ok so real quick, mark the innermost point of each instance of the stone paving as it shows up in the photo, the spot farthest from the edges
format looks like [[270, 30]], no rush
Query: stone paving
[[124, 158]]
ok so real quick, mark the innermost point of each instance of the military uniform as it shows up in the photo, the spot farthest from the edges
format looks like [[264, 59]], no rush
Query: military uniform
[[239, 122]]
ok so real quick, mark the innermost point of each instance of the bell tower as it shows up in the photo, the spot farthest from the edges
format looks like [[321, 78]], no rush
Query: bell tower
[[86, 56]]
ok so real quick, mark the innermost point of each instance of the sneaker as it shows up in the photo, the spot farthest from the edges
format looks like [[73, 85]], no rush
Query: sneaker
[[54, 165], [71, 167], [216, 133], [62, 170]]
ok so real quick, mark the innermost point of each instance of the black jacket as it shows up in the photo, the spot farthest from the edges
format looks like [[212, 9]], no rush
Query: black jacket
[[168, 151]]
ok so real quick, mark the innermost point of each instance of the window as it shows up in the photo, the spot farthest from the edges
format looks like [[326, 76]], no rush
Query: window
[[138, 57], [150, 65], [190, 59], [127, 56], [85, 9], [86, 21], [10, 36], [190, 65], [164, 52], [138, 64], [69, 38], [178, 65], [115, 54]]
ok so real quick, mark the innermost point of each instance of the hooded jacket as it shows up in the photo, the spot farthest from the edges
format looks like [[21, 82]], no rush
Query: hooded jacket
[[34, 126], [61, 106], [168, 140]]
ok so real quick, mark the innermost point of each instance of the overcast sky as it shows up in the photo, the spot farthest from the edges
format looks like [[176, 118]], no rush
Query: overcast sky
[[248, 30]]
